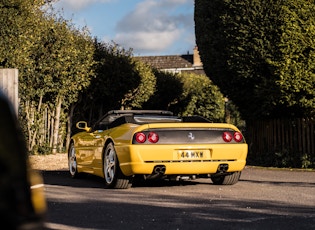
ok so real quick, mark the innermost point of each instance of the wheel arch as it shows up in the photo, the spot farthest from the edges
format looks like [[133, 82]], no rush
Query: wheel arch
[[70, 143], [119, 179], [119, 160], [108, 141]]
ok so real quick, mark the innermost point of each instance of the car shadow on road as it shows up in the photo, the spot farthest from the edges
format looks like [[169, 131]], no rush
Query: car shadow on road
[[163, 183], [63, 178]]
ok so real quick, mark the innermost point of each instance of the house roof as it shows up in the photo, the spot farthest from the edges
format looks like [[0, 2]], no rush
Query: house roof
[[168, 62], [173, 63]]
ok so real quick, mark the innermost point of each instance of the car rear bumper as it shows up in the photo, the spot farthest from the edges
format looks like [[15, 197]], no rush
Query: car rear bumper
[[182, 159]]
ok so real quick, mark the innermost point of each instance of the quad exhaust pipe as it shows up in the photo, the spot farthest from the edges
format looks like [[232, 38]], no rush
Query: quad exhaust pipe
[[159, 169], [223, 168], [157, 172]]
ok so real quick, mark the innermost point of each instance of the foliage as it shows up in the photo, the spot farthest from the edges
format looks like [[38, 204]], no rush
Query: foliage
[[52, 67], [16, 31], [200, 97], [61, 66], [191, 94], [115, 75], [135, 97], [260, 54], [167, 91], [283, 159], [20, 22], [232, 115], [295, 66], [120, 83], [187, 94]]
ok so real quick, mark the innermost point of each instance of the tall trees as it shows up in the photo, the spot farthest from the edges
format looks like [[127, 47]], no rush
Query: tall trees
[[120, 83], [199, 97], [63, 60], [295, 67], [16, 31], [20, 23], [167, 91], [187, 94], [55, 63], [260, 54], [66, 64]]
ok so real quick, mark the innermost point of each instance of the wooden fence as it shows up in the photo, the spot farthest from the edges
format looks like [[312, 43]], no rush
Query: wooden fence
[[282, 142], [9, 86]]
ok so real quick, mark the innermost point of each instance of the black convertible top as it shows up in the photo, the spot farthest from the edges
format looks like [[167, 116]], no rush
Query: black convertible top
[[142, 112], [116, 118]]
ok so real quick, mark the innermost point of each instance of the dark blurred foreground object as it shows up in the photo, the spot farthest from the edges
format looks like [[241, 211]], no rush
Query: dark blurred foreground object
[[22, 200]]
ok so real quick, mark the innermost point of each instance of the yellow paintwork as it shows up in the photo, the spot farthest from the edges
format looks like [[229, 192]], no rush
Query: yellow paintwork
[[141, 158], [37, 192]]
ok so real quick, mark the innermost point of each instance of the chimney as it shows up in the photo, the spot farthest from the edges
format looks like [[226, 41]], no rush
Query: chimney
[[197, 60]]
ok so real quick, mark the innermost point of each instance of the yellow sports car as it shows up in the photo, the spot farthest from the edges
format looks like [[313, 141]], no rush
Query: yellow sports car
[[153, 144]]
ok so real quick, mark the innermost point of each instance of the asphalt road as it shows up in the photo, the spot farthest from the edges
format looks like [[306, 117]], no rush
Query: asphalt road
[[262, 199]]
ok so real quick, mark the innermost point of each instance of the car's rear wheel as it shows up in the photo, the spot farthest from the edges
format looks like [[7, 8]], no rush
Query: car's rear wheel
[[72, 161], [113, 176], [228, 179]]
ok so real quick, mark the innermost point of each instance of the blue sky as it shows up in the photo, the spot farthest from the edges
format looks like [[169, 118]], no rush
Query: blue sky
[[149, 27]]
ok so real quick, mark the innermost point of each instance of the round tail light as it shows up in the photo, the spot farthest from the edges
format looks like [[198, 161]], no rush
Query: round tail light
[[227, 136], [140, 137], [153, 137], [238, 137]]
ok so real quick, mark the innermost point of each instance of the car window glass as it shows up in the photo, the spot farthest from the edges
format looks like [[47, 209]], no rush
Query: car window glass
[[156, 119], [104, 123]]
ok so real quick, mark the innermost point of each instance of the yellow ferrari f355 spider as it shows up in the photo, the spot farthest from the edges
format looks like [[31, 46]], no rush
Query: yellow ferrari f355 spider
[[125, 144]]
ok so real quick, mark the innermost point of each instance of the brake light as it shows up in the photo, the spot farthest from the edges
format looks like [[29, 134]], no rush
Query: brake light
[[238, 137], [227, 136], [140, 137], [153, 137]]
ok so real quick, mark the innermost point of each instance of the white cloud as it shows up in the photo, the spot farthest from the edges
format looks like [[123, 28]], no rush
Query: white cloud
[[154, 25], [143, 41], [78, 4]]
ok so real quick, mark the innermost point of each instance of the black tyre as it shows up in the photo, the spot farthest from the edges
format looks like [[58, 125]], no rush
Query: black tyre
[[72, 161], [113, 176], [229, 179]]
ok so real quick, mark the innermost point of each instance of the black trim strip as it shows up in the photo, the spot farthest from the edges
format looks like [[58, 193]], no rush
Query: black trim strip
[[184, 161]]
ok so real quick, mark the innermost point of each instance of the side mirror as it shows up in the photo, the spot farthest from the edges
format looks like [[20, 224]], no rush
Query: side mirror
[[83, 125]]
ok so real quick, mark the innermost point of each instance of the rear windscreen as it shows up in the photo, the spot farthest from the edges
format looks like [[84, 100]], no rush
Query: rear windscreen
[[156, 119]]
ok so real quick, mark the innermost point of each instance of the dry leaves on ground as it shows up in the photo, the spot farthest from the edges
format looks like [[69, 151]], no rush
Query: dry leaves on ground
[[51, 162]]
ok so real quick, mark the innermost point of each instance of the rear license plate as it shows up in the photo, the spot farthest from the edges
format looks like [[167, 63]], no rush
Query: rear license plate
[[190, 154]]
